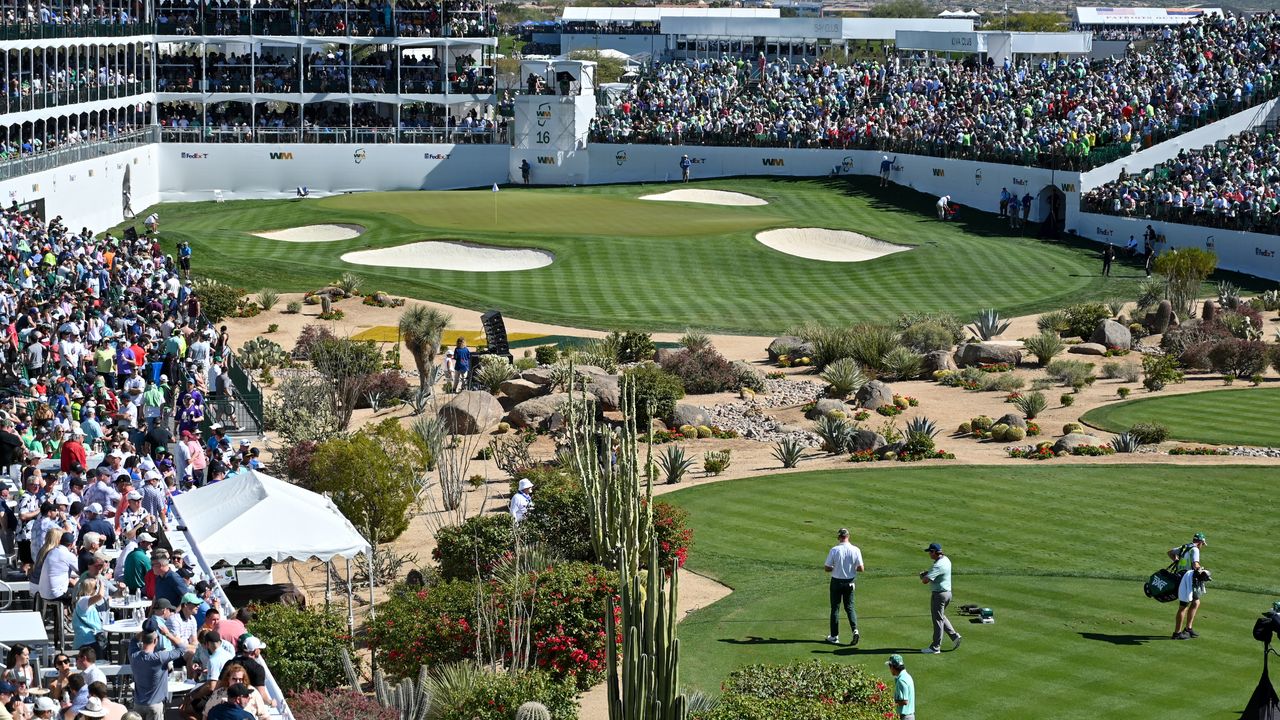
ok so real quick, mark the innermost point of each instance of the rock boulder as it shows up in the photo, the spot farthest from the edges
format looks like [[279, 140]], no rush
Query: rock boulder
[[939, 360], [537, 376], [1088, 349], [690, 414], [471, 412], [520, 389], [873, 395], [1112, 335], [825, 407], [1012, 420], [1066, 442], [865, 440], [987, 353], [538, 412], [798, 347], [607, 389]]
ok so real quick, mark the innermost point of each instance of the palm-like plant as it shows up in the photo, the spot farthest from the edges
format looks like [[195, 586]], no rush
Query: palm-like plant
[[674, 464], [788, 451], [421, 328], [1125, 443], [1031, 404], [988, 324]]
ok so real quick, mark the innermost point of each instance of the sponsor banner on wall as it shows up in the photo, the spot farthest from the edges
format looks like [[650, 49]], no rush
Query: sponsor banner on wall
[[1244, 252]]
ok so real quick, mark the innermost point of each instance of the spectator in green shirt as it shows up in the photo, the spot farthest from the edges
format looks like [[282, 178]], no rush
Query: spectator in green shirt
[[138, 563], [904, 688]]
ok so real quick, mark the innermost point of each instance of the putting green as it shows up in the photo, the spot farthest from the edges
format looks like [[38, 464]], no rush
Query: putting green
[[1059, 553], [1244, 416], [621, 262]]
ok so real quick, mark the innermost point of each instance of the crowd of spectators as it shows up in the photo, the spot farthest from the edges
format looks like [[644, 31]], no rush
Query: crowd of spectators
[[17, 143], [110, 375], [327, 122], [67, 19], [1234, 183], [62, 76], [186, 70], [328, 18], [1067, 113]]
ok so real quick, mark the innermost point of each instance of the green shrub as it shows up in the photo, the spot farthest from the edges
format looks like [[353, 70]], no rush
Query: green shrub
[[1002, 382], [844, 377], [306, 645], [829, 343], [657, 391], [949, 322], [1067, 399], [1071, 373], [694, 340], [716, 461], [293, 307], [836, 433], [423, 626], [812, 690], [672, 533], [493, 371], [267, 298], [217, 300], [702, 371], [1055, 322], [674, 464], [546, 354], [559, 520], [1045, 347], [1123, 392], [871, 343], [1240, 358], [1160, 370], [927, 336], [474, 548], [309, 339], [902, 363], [1031, 404], [1082, 319], [630, 346], [1149, 433], [497, 695]]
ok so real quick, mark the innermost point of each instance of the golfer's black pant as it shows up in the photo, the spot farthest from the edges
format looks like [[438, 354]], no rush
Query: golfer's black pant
[[842, 594]]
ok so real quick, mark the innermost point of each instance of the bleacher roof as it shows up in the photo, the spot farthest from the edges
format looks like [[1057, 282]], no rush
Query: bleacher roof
[[654, 14], [1140, 15]]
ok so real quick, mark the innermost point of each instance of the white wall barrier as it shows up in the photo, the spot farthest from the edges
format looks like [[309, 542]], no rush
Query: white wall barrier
[[1245, 252], [90, 193], [195, 171]]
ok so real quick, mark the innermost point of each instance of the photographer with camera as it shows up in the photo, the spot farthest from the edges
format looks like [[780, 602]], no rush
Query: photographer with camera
[[1267, 627]]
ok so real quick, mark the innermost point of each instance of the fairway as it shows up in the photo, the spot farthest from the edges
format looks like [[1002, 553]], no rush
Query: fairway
[[1220, 417], [1059, 553], [621, 262]]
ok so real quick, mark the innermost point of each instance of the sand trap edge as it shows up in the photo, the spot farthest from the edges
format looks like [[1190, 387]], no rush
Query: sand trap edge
[[826, 245], [339, 232], [453, 255], [725, 198]]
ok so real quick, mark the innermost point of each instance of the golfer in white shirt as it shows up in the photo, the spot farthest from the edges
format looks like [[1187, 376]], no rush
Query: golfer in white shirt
[[844, 562]]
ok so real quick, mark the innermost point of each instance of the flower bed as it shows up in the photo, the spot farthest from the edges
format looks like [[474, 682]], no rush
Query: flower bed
[[689, 432], [1045, 451], [863, 456], [1199, 450], [996, 367]]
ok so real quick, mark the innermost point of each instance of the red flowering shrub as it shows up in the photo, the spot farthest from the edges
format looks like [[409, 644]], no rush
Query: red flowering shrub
[[425, 627], [569, 621], [338, 705], [671, 532]]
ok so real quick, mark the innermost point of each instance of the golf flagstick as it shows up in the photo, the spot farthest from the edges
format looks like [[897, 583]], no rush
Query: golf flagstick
[[495, 204]]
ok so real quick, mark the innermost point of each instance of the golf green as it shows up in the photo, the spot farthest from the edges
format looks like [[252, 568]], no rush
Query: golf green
[[625, 263], [1244, 416], [1060, 554]]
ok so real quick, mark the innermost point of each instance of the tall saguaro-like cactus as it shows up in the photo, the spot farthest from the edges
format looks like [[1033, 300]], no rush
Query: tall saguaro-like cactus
[[608, 463], [644, 682]]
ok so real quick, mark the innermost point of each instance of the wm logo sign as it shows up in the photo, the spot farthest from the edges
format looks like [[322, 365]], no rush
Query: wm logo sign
[[281, 156], [546, 160], [773, 162], [939, 172], [1068, 187]]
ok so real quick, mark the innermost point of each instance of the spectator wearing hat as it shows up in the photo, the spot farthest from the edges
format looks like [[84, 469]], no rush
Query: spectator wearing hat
[[155, 502], [844, 562], [44, 708], [28, 513], [138, 563], [93, 708], [72, 452], [522, 500], [93, 522], [183, 622], [233, 708], [7, 690], [685, 164], [1190, 587], [250, 657], [904, 688], [938, 578], [150, 666], [133, 516]]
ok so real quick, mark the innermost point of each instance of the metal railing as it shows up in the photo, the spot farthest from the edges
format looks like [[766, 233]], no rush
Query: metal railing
[[23, 101], [25, 164], [84, 29], [335, 135]]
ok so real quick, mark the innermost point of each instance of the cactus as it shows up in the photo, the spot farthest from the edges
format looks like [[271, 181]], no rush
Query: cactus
[[619, 500], [409, 698], [533, 711], [326, 304], [643, 683], [349, 671], [1210, 311]]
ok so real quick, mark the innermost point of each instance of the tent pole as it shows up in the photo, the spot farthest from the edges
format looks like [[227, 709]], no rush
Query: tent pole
[[351, 605], [328, 582], [372, 612]]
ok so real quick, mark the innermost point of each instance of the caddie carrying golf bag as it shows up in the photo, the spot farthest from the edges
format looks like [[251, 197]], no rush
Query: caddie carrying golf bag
[[1163, 583]]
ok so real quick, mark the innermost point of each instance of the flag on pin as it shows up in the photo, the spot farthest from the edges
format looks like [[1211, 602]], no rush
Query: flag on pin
[[495, 187]]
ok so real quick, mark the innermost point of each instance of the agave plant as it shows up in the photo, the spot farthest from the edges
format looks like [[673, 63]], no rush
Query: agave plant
[[674, 464], [1031, 404], [1228, 295], [788, 451], [988, 324], [1044, 346], [1125, 443], [836, 433], [921, 426], [1271, 300]]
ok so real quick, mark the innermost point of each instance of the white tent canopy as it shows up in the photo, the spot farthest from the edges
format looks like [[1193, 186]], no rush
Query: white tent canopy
[[253, 516]]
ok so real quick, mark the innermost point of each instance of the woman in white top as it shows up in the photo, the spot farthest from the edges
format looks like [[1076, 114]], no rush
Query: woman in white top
[[59, 568]]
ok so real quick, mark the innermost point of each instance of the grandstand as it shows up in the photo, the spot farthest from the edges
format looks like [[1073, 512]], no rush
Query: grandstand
[[187, 101]]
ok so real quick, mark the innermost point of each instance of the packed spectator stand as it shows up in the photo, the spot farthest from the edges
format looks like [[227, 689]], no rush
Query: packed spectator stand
[[414, 19], [1064, 113], [110, 380], [1232, 184]]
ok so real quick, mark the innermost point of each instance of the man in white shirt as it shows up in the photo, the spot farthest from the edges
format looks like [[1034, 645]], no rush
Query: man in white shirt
[[844, 562], [522, 500], [1190, 588]]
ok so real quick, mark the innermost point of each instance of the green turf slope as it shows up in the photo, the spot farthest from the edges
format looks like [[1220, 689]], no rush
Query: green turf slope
[[1060, 553], [1245, 416], [626, 263]]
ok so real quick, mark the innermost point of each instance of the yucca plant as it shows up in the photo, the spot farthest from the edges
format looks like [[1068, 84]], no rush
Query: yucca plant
[[349, 283], [902, 363], [493, 371], [1125, 443], [844, 377], [836, 433], [918, 435], [988, 324], [1115, 306], [788, 451], [1044, 346], [1151, 291], [1031, 404], [674, 464], [267, 298], [1271, 300], [1055, 322], [1228, 295]]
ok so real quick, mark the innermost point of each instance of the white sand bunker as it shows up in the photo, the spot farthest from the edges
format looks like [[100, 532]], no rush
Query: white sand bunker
[[314, 233], [827, 245], [439, 255], [708, 197]]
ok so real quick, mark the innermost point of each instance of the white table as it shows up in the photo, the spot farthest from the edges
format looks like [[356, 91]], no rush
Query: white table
[[135, 608], [24, 626], [124, 627]]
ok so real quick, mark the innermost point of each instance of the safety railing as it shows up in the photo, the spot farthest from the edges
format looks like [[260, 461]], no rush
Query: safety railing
[[335, 135], [22, 163]]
